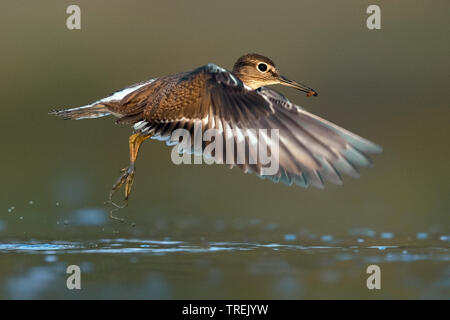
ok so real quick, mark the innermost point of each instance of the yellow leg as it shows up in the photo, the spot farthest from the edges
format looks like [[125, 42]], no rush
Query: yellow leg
[[128, 173]]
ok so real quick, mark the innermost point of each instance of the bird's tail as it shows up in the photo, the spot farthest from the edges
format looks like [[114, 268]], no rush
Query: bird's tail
[[90, 111]]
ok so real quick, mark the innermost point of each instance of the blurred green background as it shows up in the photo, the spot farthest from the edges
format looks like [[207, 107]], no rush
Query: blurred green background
[[390, 86]]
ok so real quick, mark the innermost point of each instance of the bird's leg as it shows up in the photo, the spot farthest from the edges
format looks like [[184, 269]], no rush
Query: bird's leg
[[128, 173]]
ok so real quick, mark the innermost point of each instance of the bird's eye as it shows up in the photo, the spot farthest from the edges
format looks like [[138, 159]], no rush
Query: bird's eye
[[262, 67]]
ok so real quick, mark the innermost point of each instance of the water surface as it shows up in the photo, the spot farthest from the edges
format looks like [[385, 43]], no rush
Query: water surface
[[296, 268]]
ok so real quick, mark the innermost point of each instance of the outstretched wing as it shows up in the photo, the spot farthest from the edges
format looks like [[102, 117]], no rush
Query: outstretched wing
[[311, 149]]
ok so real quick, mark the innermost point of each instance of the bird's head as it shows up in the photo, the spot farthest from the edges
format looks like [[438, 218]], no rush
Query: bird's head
[[255, 71]]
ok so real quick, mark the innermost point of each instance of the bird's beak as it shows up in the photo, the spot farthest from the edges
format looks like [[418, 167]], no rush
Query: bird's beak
[[286, 82]]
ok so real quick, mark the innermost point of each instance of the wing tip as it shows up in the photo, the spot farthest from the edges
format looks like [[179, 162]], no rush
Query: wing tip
[[372, 147]]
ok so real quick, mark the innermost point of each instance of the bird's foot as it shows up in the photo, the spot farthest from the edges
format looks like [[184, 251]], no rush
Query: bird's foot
[[126, 179]]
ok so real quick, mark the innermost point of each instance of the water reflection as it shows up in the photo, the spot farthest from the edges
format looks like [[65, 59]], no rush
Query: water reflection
[[32, 283]]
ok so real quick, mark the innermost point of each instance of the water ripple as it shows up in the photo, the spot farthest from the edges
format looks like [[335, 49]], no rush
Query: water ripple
[[388, 253]]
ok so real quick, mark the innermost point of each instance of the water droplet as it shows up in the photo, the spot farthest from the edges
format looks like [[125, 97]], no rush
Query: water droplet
[[421, 235], [290, 237], [31, 202], [326, 238], [387, 235]]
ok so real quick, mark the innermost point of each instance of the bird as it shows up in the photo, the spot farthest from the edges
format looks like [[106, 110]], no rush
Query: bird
[[312, 150]]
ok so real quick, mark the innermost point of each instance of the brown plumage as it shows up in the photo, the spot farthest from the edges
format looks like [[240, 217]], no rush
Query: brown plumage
[[312, 149]]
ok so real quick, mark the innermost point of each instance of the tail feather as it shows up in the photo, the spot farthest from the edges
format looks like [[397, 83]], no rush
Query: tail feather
[[85, 112]]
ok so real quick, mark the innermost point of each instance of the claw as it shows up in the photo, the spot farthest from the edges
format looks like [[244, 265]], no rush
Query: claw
[[126, 178], [128, 184]]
